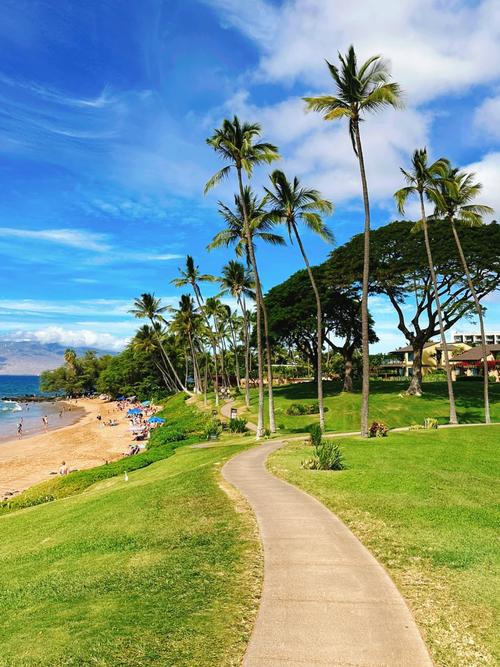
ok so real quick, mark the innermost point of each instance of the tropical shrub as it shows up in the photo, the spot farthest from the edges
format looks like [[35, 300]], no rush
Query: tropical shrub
[[213, 429], [327, 456], [430, 422], [237, 425], [378, 430], [315, 435], [297, 409]]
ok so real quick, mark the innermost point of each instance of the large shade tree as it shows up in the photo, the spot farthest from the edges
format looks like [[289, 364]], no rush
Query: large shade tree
[[422, 181], [399, 271], [292, 204], [358, 91]]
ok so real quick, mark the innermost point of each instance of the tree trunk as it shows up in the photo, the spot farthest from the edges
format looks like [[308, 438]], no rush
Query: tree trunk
[[415, 386], [241, 301], [364, 297], [260, 412], [270, 396], [479, 311], [347, 386], [199, 299], [319, 321], [196, 372], [453, 412], [236, 357], [169, 362]]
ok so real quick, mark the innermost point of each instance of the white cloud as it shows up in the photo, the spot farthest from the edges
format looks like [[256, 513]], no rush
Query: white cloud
[[487, 171], [81, 338], [435, 47], [72, 238], [487, 117]]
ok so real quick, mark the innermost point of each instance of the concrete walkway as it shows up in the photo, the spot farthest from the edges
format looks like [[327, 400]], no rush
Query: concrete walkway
[[325, 599]]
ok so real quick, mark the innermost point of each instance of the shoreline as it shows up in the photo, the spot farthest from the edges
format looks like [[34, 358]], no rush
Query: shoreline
[[84, 443], [71, 414]]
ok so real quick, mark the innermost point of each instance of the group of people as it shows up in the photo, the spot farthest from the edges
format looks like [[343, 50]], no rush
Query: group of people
[[45, 425]]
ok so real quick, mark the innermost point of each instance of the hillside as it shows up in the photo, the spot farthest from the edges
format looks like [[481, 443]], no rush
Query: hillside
[[27, 357]]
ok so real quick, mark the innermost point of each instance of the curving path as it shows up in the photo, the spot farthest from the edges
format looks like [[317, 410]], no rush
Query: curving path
[[325, 599]]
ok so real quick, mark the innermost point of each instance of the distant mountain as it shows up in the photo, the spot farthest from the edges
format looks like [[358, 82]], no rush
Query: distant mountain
[[28, 357]]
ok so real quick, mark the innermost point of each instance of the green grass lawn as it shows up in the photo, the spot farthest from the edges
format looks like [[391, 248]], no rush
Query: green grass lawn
[[426, 504], [159, 570], [388, 403]]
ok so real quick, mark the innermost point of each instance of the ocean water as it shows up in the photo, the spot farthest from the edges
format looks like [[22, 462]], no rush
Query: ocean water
[[30, 415]]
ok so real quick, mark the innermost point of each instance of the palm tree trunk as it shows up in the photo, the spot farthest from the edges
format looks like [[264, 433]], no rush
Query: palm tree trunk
[[260, 413], [236, 357], [199, 300], [196, 373], [453, 411], [319, 319], [479, 310], [241, 301], [364, 297], [270, 395], [169, 362]]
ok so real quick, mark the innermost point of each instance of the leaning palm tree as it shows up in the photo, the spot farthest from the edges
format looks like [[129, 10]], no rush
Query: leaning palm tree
[[145, 341], [423, 182], [149, 307], [260, 226], [238, 145], [359, 90], [186, 322], [237, 281], [458, 191], [293, 204]]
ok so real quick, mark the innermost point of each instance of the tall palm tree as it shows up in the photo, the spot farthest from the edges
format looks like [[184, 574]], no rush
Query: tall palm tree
[[186, 322], [237, 281], [260, 226], [149, 307], [358, 91], [293, 204], [145, 341], [213, 310], [238, 145], [192, 276], [458, 191], [422, 181]]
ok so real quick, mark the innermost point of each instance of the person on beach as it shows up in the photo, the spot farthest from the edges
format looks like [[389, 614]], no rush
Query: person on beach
[[45, 422], [63, 470], [20, 430]]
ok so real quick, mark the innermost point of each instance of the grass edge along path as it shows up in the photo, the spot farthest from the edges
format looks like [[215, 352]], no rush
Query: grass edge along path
[[162, 569], [425, 504]]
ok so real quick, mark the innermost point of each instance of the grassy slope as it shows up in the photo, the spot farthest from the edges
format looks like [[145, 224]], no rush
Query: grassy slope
[[426, 504], [386, 404], [157, 570]]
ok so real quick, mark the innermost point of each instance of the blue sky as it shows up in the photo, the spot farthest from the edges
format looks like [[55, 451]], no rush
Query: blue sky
[[105, 107]]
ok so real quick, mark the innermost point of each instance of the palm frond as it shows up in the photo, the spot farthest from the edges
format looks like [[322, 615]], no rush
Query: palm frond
[[217, 178]]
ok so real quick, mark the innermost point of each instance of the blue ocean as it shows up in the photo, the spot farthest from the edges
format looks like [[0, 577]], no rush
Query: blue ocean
[[30, 415]]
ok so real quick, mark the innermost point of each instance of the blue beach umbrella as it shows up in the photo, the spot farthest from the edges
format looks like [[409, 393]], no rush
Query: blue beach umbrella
[[134, 411], [156, 420]]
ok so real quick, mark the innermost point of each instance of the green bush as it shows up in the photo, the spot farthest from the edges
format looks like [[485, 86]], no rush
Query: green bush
[[327, 456], [378, 430], [315, 435], [430, 422], [213, 429], [298, 409], [238, 425]]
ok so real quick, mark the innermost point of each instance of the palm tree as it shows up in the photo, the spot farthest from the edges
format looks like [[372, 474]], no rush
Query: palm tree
[[145, 341], [359, 90], [186, 322], [458, 191], [236, 144], [149, 307], [291, 203], [422, 181], [191, 275], [237, 281], [260, 226]]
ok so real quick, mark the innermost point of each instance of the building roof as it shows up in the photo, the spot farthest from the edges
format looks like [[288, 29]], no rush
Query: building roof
[[475, 353], [409, 348]]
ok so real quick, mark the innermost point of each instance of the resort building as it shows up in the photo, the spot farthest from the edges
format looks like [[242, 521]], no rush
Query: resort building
[[470, 362], [474, 338], [400, 361]]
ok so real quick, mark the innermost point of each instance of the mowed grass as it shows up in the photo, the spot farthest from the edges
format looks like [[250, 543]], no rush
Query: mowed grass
[[159, 570], [388, 403], [426, 504]]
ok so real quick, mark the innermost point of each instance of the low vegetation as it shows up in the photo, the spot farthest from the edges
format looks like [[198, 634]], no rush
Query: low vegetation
[[426, 504], [185, 424]]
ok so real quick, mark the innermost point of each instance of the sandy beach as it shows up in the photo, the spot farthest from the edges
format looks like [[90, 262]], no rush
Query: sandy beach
[[83, 444]]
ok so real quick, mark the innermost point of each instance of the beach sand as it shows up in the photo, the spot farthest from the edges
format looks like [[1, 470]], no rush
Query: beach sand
[[84, 444]]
